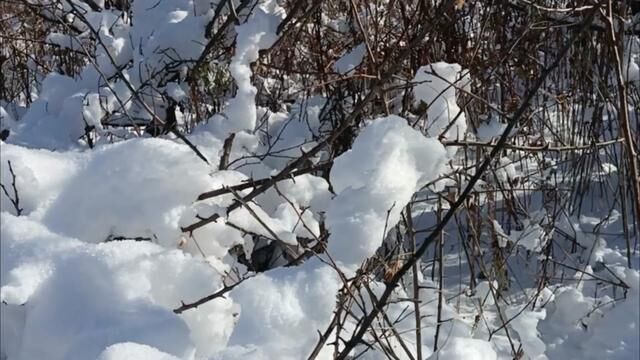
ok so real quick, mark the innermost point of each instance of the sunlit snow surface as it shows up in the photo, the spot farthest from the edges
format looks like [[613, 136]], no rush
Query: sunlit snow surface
[[68, 295], [69, 292]]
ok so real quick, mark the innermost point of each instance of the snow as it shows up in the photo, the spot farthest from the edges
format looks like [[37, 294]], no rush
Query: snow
[[294, 132], [306, 191], [129, 177], [435, 86], [461, 348], [490, 130], [55, 120], [282, 311], [525, 324], [631, 61], [256, 34], [597, 328], [532, 237], [94, 261], [350, 60], [6, 120], [64, 41], [40, 174], [176, 92], [104, 294], [130, 350], [68, 294], [396, 161]]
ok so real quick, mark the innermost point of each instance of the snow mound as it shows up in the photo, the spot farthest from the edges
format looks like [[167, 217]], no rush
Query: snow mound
[[374, 181], [40, 174], [103, 294], [282, 311], [123, 191]]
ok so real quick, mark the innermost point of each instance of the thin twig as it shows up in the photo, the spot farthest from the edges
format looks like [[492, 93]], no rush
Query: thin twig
[[15, 201]]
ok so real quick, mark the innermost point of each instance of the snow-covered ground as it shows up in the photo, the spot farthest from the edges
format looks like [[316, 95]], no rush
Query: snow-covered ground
[[95, 261], [68, 292]]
